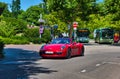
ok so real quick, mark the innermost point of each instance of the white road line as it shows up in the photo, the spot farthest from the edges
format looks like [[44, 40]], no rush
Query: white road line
[[83, 71], [98, 64]]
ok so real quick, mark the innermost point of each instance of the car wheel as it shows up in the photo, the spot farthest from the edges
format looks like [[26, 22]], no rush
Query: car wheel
[[95, 41], [68, 55], [82, 51]]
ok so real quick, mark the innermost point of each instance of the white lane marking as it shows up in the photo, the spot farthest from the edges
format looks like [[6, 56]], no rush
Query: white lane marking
[[98, 64], [83, 71]]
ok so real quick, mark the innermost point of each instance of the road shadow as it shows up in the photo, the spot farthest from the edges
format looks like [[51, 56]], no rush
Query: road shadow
[[115, 44], [97, 44], [21, 64], [87, 44], [109, 44]]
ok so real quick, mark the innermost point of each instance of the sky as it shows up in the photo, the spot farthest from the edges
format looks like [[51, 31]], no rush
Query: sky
[[25, 4]]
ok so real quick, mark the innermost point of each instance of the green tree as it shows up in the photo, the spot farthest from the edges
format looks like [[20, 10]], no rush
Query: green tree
[[11, 26], [97, 21], [15, 7], [2, 7], [113, 7], [5, 30], [52, 20], [100, 7], [6, 12], [69, 10], [32, 14]]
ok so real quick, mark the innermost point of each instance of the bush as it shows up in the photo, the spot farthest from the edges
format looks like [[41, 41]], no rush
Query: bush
[[91, 36], [2, 7], [36, 40], [14, 41], [18, 24], [46, 36], [31, 33], [11, 26], [18, 37], [1, 48]]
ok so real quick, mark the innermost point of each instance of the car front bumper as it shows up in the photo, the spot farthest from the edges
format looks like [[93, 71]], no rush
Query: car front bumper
[[55, 54]]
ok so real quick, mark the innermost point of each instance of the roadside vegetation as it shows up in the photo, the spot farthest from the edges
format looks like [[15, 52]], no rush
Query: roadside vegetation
[[22, 27]]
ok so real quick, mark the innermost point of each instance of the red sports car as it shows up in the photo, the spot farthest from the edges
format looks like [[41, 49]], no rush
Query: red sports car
[[61, 48]]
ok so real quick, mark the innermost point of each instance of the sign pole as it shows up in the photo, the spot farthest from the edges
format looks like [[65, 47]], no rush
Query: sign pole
[[41, 25], [75, 35], [75, 24]]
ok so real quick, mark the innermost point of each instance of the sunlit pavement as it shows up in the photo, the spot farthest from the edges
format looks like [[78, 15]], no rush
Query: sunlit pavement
[[101, 61]]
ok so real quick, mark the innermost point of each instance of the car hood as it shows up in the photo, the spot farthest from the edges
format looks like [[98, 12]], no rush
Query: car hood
[[53, 46]]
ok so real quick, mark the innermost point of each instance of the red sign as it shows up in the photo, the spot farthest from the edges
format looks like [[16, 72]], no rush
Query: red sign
[[75, 24]]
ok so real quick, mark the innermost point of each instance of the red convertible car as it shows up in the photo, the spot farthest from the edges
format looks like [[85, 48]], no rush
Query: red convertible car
[[61, 48]]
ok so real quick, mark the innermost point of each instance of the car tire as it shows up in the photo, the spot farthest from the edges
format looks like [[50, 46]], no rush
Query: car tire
[[82, 51], [68, 55]]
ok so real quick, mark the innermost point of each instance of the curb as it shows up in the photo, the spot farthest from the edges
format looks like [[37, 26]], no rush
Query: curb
[[116, 44]]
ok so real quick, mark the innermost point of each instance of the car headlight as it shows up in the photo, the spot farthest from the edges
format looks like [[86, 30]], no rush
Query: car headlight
[[62, 47]]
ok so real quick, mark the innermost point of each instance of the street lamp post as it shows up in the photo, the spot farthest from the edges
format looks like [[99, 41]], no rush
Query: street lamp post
[[41, 25], [75, 24]]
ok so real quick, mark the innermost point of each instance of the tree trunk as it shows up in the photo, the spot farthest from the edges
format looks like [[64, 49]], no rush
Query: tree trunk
[[1, 10]]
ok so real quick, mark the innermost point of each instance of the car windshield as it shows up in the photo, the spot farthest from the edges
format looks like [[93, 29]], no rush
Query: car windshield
[[83, 33], [107, 33], [60, 41]]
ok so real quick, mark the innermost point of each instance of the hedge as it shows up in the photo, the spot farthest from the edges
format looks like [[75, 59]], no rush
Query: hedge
[[14, 41]]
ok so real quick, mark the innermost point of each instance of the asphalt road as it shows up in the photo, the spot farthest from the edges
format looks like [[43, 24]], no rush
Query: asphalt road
[[23, 62]]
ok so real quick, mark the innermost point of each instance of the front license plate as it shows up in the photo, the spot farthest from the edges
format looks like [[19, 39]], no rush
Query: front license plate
[[49, 52]]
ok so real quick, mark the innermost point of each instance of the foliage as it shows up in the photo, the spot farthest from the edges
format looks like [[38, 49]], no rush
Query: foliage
[[97, 21], [6, 12], [52, 20], [32, 14], [11, 26], [32, 34], [101, 9], [4, 31], [46, 37], [18, 37], [88, 13], [113, 7], [15, 7], [71, 9], [36, 40], [2, 7], [14, 41]]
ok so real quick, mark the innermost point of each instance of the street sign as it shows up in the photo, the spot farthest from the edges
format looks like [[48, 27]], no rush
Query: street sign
[[41, 29], [75, 24]]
